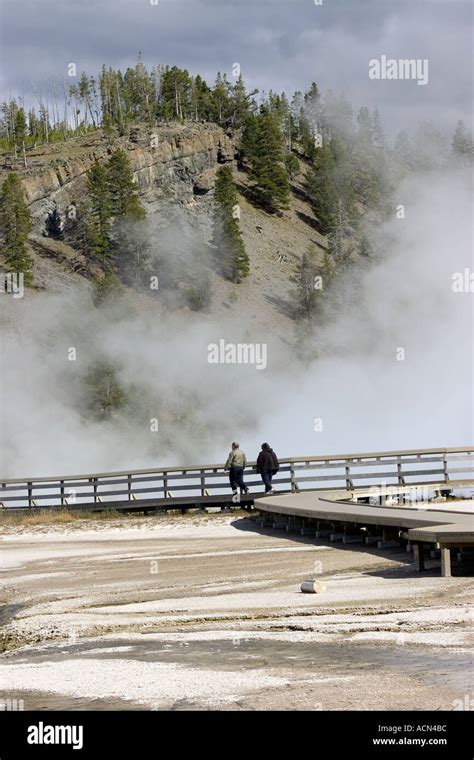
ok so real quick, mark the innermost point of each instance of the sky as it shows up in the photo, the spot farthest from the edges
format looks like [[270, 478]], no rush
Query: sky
[[279, 44]]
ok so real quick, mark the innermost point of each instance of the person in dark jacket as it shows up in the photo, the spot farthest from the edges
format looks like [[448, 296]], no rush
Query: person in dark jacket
[[267, 466]]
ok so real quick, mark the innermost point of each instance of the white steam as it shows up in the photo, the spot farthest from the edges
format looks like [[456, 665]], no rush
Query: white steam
[[363, 396]]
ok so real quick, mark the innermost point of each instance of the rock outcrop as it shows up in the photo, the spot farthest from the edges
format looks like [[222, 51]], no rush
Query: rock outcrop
[[170, 163]]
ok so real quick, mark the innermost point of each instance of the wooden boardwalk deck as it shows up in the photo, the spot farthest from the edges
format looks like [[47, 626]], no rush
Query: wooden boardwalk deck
[[446, 529], [326, 488]]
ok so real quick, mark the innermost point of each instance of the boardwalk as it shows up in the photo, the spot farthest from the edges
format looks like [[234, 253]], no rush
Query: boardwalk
[[342, 516], [334, 489], [196, 485]]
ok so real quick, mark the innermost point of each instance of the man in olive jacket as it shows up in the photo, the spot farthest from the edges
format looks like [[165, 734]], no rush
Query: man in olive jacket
[[235, 464], [267, 466]]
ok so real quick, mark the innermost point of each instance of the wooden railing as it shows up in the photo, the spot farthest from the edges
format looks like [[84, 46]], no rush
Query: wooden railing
[[171, 487]]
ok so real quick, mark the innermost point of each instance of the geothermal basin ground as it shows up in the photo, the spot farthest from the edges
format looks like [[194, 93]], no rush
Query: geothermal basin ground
[[205, 612]]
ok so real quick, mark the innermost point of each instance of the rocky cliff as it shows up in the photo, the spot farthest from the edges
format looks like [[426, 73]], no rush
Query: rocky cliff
[[175, 163], [175, 169]]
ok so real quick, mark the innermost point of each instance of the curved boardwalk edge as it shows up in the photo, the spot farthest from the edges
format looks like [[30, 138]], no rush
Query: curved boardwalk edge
[[419, 526]]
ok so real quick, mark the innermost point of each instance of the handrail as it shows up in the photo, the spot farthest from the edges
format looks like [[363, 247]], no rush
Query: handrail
[[352, 458], [184, 486]]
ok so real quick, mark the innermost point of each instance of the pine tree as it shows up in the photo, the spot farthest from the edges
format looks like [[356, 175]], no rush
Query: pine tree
[[225, 191], [15, 226], [21, 131], [99, 210], [45, 126], [176, 94], [86, 91], [9, 111], [312, 104], [122, 189], [345, 177], [201, 99], [365, 131], [377, 131], [139, 92], [131, 250], [104, 394], [312, 285], [306, 296], [227, 236], [111, 87], [54, 225], [402, 149], [340, 239], [239, 104], [292, 164], [220, 99], [336, 115], [106, 290], [321, 186], [268, 173], [33, 125], [327, 273], [21, 128], [247, 146], [296, 108], [310, 120], [462, 145], [430, 148]]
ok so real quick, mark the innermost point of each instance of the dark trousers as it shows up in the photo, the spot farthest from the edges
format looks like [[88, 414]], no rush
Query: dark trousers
[[236, 477], [267, 479]]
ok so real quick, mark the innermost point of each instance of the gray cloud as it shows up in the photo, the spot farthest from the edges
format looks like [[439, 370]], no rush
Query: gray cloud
[[280, 44]]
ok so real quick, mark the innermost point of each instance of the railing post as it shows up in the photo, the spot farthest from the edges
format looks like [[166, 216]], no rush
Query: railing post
[[349, 484], [129, 487], [61, 491], [165, 484], [294, 482], [445, 468], [94, 481], [401, 479], [203, 482], [30, 493]]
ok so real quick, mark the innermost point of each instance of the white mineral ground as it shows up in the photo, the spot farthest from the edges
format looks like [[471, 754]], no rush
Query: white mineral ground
[[205, 612]]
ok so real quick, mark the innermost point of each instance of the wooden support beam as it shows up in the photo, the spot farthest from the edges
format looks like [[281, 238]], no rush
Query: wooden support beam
[[419, 556], [446, 561]]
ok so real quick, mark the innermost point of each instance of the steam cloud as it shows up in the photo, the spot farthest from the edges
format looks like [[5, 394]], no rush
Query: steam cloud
[[365, 398]]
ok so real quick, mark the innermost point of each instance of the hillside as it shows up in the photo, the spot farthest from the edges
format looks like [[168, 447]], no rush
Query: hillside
[[174, 168]]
